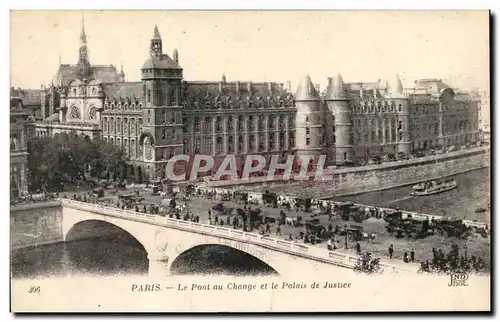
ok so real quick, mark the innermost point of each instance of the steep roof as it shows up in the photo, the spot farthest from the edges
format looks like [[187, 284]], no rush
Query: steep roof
[[335, 88], [165, 62], [29, 97], [123, 90], [306, 90], [105, 73], [213, 91]]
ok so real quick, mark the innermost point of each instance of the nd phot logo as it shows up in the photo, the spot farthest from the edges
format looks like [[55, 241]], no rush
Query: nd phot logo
[[458, 279]]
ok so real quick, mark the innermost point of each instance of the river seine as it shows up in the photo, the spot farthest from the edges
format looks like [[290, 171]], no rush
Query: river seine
[[125, 256]]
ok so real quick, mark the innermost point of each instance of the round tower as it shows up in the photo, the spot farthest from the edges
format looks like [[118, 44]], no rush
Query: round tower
[[308, 119], [339, 127], [394, 92]]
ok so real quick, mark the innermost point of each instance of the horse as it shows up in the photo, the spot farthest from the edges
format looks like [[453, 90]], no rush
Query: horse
[[370, 236]]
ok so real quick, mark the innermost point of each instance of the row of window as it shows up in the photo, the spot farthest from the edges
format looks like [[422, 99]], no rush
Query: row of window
[[122, 126], [165, 117], [387, 136], [236, 144], [228, 103], [136, 105], [130, 148], [168, 97], [375, 107], [387, 123], [252, 123]]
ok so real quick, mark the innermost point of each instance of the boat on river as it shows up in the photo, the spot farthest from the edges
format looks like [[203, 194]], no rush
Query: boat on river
[[433, 187]]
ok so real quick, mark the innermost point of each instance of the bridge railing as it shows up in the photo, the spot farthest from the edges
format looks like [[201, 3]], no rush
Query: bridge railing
[[332, 257]]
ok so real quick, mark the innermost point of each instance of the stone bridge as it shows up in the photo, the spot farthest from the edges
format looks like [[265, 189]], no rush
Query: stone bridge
[[164, 239]]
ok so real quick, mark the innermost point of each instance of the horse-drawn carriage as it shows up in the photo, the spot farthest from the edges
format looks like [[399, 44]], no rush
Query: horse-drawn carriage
[[408, 226], [98, 192], [315, 232], [452, 228], [303, 204], [270, 199], [355, 232], [240, 197], [345, 209], [222, 209]]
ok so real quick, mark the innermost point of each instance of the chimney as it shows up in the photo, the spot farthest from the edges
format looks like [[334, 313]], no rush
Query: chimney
[[270, 87], [237, 87], [289, 86], [249, 88], [375, 92], [224, 78], [220, 86]]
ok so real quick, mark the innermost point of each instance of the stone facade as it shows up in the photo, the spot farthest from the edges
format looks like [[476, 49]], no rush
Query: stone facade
[[163, 115], [18, 150]]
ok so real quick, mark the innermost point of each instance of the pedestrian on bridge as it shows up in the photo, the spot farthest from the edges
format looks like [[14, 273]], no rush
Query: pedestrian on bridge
[[358, 248], [412, 255], [391, 251], [278, 229]]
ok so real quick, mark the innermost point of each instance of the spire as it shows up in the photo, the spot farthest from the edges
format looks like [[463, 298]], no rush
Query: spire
[[60, 60], [156, 33], [395, 87], [83, 36], [122, 73], [83, 59], [334, 89], [155, 48], [306, 90], [224, 78]]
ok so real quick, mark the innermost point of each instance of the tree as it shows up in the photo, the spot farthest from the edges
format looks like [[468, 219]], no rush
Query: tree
[[68, 158]]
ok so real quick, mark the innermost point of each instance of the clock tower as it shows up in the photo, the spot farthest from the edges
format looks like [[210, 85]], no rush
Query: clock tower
[[162, 114]]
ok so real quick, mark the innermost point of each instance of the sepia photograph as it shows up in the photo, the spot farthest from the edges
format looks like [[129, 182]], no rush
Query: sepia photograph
[[250, 161]]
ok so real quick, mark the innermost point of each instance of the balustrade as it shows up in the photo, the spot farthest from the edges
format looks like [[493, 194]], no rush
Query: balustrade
[[299, 249]]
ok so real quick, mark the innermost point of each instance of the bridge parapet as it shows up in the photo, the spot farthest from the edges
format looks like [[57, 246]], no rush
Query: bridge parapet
[[289, 247]]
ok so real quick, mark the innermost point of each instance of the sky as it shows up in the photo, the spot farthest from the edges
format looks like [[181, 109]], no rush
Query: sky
[[363, 46]]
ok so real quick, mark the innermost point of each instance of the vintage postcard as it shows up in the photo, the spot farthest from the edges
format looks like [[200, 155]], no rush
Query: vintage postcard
[[250, 161]]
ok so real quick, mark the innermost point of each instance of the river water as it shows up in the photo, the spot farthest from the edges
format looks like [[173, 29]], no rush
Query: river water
[[473, 192], [125, 256]]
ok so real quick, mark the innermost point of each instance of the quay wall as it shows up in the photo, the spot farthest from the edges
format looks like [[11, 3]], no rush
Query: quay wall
[[35, 224], [360, 180]]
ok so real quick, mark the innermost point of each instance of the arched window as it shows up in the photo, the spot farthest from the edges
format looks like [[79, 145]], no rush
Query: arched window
[[74, 113], [92, 113]]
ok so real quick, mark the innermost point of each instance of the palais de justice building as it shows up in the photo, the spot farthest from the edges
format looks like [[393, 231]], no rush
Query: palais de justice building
[[163, 115]]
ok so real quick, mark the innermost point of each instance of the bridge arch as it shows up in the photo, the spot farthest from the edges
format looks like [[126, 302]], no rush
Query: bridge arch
[[248, 249], [70, 226]]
